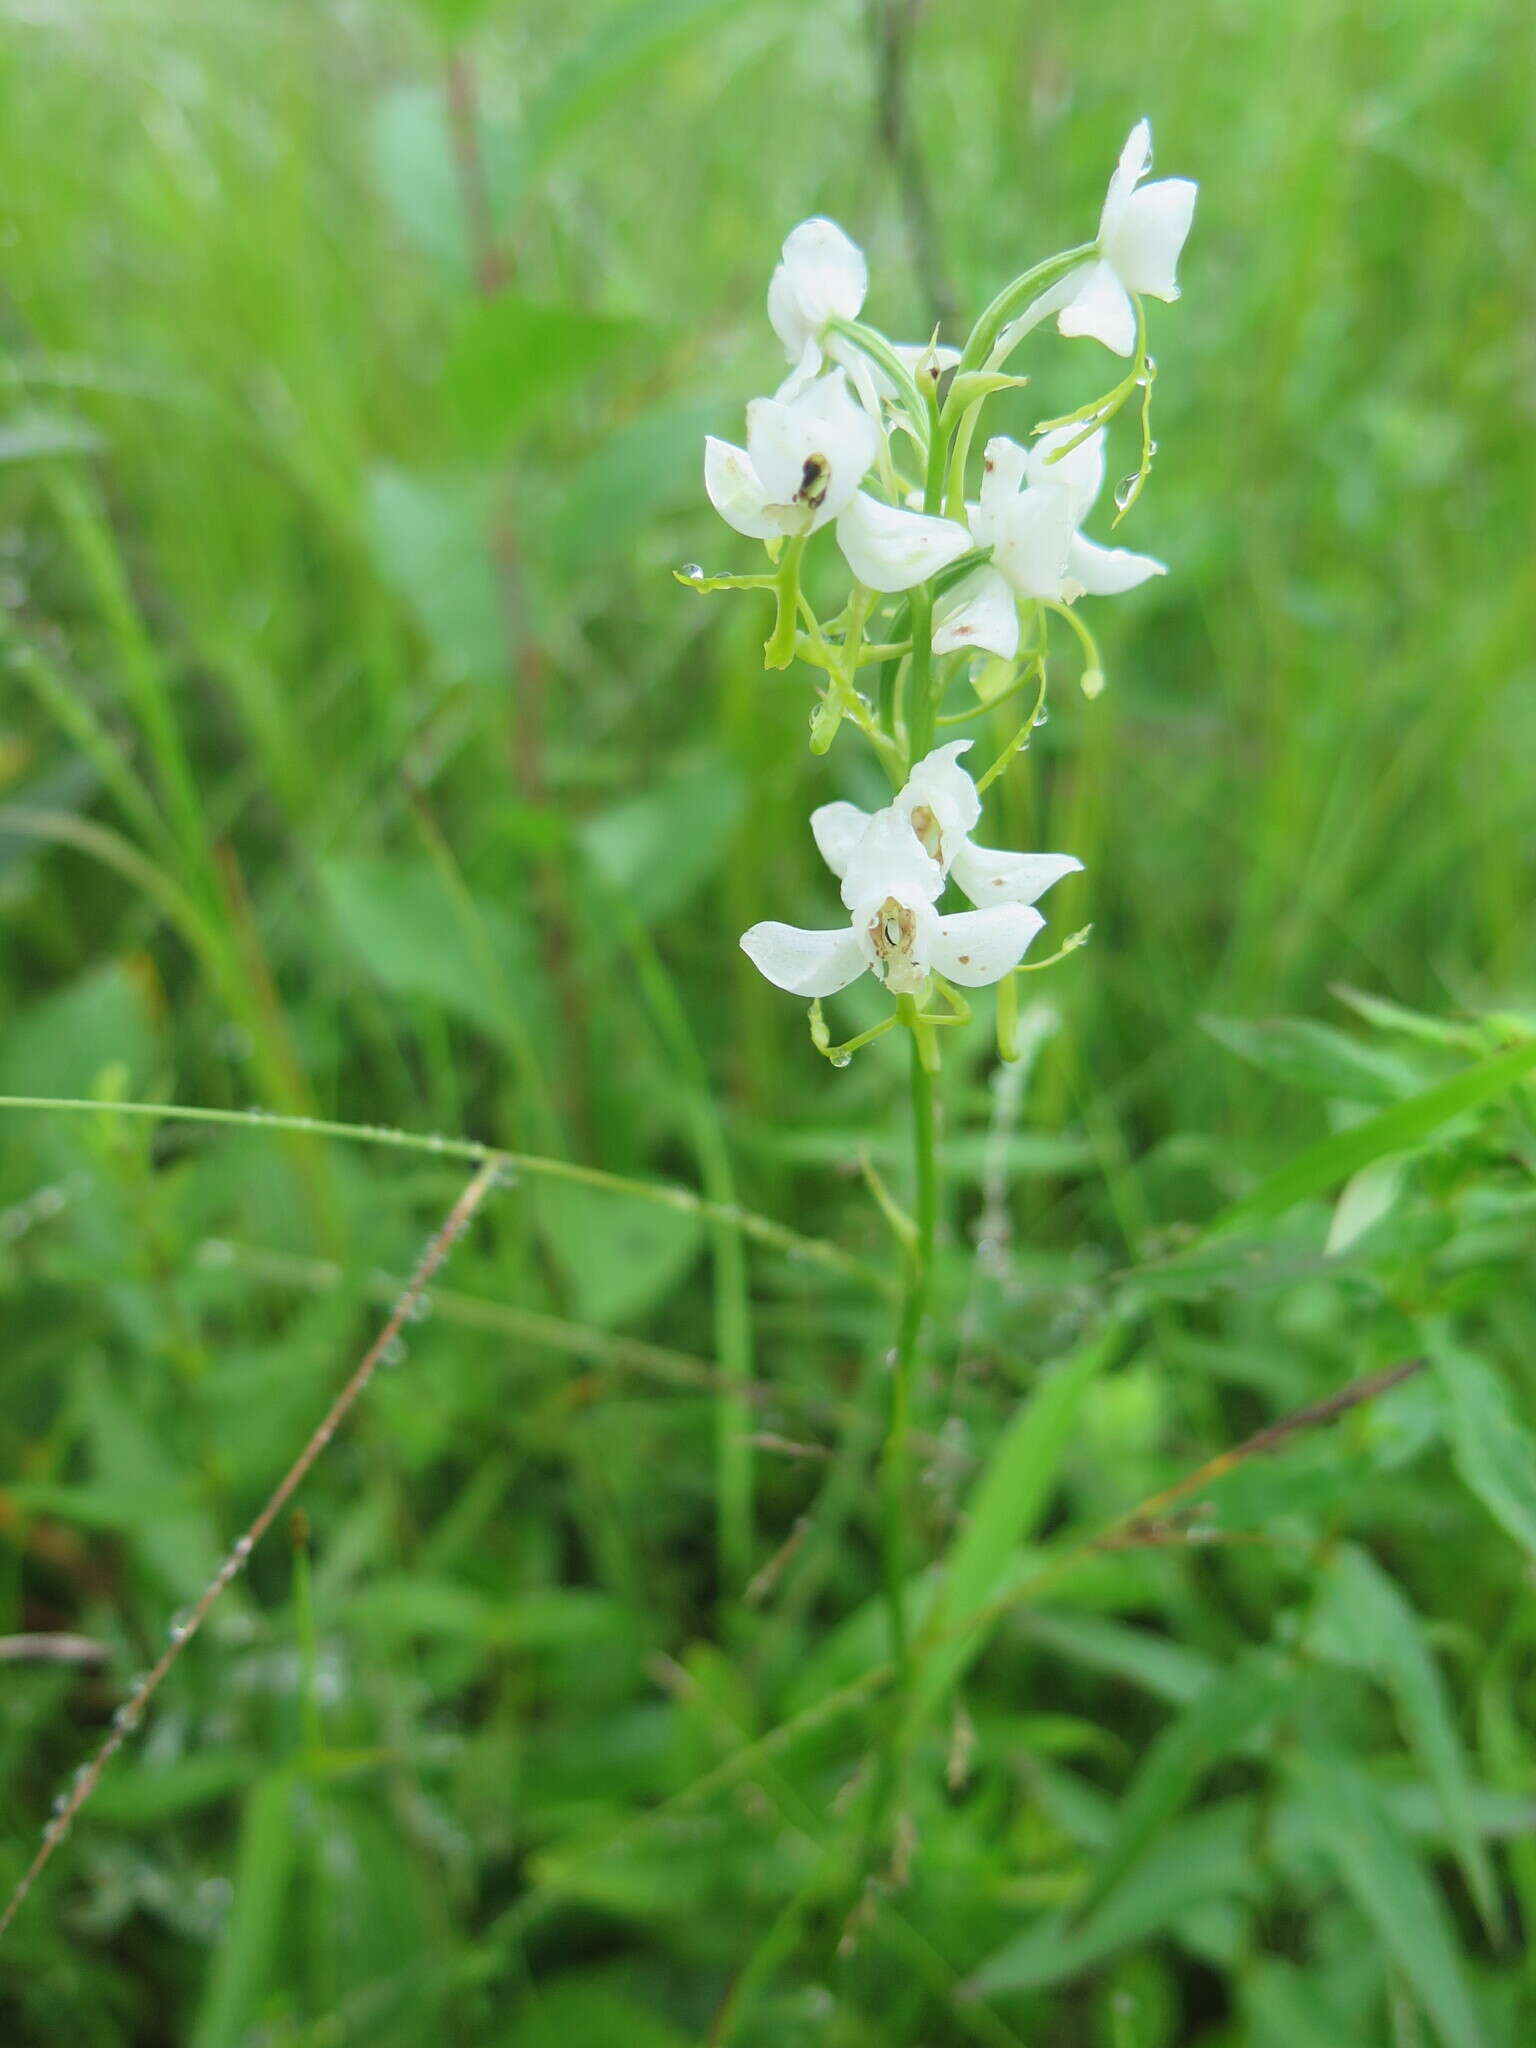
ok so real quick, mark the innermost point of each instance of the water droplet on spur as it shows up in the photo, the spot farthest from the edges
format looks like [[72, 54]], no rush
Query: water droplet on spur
[[841, 1058], [1125, 490], [694, 571]]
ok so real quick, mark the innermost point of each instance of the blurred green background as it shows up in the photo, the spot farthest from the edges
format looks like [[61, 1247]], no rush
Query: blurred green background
[[360, 756]]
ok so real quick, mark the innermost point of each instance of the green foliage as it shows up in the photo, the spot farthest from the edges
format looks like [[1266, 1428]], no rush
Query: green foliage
[[363, 759]]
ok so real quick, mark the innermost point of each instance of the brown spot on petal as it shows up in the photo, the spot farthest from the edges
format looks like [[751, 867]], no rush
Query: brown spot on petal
[[965, 959], [815, 475]]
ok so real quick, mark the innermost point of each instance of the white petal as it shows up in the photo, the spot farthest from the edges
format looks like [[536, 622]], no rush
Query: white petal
[[805, 963], [977, 946], [1105, 572], [1101, 307], [822, 273], [891, 550], [736, 490], [1135, 162], [1050, 301], [811, 454], [1004, 468], [837, 829], [1145, 248], [1080, 473], [1032, 541], [988, 875], [942, 785], [979, 612], [805, 373], [889, 861]]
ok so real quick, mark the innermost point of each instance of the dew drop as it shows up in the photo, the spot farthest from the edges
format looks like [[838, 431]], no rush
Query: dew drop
[[178, 1626], [420, 1308], [394, 1352], [694, 571], [1125, 490], [841, 1059]]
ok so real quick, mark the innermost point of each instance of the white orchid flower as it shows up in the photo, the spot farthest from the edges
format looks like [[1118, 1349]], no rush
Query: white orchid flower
[[821, 275], [1142, 229], [804, 460], [890, 885], [802, 466], [941, 808], [1030, 513]]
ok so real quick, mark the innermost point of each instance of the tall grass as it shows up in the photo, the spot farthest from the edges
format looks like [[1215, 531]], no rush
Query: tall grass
[[550, 1729]]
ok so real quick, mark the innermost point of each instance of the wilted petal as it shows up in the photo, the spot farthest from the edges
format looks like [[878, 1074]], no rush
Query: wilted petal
[[975, 947], [837, 829], [891, 550], [1104, 572], [805, 963], [822, 273], [979, 612], [939, 785], [1145, 248], [1101, 307], [988, 875], [736, 490]]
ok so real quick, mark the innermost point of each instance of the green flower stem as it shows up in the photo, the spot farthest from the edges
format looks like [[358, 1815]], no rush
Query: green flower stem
[[779, 650], [920, 705], [914, 1307], [1013, 299]]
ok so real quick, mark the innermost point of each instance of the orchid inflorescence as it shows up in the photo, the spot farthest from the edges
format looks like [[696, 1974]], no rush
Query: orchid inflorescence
[[948, 591]]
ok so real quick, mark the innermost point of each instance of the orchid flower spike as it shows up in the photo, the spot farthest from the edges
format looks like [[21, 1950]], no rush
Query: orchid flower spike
[[940, 805], [890, 885], [1142, 229], [1033, 501], [802, 466]]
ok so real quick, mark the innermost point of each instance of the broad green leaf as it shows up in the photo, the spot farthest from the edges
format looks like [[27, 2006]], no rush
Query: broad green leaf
[[1398, 1129], [1217, 1721], [1494, 1450], [1364, 1622], [1380, 1869], [513, 356], [633, 36], [1207, 1856], [431, 541], [608, 503], [1167, 1670], [62, 1043], [1368, 1196], [246, 1961], [1315, 1057], [655, 849], [619, 1258], [152, 1793], [393, 918], [580, 2008], [544, 1618], [1287, 2008], [1005, 1508], [414, 167], [1389, 1016]]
